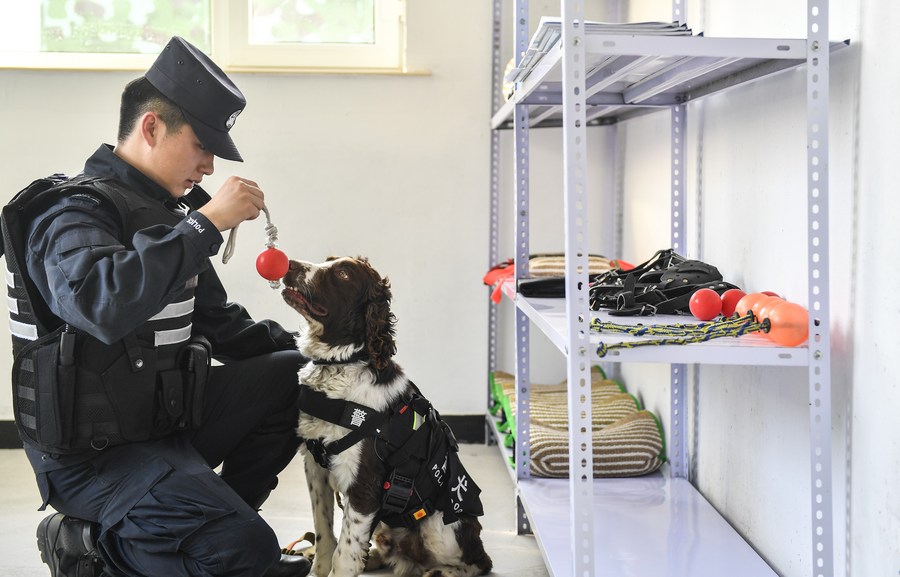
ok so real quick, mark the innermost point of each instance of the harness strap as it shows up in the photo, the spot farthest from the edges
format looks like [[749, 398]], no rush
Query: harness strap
[[362, 421]]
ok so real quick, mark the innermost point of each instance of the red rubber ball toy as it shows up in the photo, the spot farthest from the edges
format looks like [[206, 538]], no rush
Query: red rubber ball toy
[[705, 304], [272, 264], [730, 299]]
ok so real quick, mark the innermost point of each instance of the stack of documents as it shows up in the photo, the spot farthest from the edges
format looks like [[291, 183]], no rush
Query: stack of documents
[[549, 33]]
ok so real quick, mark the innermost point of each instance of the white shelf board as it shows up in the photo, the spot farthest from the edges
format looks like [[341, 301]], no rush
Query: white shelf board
[[648, 525], [549, 315], [627, 75]]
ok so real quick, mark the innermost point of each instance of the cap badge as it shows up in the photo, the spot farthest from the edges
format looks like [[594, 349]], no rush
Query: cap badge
[[230, 122]]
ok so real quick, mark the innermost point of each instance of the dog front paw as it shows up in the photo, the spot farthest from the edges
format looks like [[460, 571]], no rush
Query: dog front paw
[[384, 542], [374, 560]]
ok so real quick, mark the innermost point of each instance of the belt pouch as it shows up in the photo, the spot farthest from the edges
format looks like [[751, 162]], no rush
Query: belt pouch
[[66, 403], [54, 392], [197, 364], [130, 387], [43, 396]]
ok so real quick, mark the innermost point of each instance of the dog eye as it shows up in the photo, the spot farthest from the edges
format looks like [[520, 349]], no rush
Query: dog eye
[[342, 274]]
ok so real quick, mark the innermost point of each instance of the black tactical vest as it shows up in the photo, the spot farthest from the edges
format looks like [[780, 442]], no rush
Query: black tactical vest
[[71, 392]]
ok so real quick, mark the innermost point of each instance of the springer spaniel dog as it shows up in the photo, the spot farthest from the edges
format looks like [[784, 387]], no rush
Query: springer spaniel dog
[[372, 440]]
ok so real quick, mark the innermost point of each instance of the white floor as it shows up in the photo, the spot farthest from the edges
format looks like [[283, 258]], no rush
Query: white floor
[[287, 511]]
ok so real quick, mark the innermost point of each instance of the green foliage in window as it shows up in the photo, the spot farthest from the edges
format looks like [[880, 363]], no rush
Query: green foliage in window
[[313, 21], [122, 26]]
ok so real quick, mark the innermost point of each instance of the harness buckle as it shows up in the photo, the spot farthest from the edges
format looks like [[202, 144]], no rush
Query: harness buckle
[[318, 451], [423, 512], [397, 492]]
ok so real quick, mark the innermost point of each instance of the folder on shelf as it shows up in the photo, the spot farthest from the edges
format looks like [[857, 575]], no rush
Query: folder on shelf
[[549, 33]]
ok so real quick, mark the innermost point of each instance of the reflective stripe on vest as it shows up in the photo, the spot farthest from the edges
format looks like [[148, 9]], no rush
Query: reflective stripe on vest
[[174, 310], [17, 328], [171, 337], [172, 325], [23, 330]]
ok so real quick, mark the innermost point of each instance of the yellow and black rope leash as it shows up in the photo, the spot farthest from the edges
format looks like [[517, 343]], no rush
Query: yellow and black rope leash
[[677, 334]]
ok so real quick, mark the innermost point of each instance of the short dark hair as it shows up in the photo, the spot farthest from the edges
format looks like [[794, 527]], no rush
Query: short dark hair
[[140, 97]]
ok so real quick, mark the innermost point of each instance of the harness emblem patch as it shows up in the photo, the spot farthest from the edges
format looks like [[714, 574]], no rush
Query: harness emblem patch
[[462, 486], [358, 417]]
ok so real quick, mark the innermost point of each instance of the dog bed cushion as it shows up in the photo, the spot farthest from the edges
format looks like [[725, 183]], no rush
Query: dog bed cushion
[[627, 441], [546, 265], [630, 447]]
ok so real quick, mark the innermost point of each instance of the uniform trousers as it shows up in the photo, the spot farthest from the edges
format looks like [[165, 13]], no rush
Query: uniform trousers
[[162, 510]]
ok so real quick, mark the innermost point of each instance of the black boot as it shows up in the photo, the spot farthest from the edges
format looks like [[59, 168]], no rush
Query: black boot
[[67, 546], [290, 566]]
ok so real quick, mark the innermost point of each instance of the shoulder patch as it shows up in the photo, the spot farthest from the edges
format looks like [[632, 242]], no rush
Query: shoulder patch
[[86, 197]]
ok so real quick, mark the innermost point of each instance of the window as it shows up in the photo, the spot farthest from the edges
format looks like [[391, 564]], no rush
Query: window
[[238, 34], [313, 33]]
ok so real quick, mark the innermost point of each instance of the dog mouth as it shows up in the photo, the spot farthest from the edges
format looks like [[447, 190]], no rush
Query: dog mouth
[[302, 303]]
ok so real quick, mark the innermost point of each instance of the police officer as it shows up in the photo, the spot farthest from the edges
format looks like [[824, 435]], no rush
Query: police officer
[[122, 262]]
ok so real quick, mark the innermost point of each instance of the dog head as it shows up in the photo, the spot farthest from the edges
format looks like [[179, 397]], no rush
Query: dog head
[[346, 304]]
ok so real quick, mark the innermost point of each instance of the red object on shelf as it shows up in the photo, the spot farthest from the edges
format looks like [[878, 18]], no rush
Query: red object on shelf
[[705, 304], [730, 299], [495, 277]]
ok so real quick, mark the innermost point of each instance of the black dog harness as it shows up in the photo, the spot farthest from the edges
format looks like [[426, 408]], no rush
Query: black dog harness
[[418, 448]]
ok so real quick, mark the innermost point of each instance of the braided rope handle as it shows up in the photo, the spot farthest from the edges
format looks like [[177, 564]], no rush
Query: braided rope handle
[[271, 242], [271, 237]]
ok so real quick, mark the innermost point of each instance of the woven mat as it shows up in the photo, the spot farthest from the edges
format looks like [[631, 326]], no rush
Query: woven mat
[[627, 441], [606, 410], [630, 447], [555, 265], [504, 384]]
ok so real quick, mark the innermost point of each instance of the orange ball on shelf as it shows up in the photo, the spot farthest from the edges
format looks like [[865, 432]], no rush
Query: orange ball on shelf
[[789, 324], [748, 303], [764, 307]]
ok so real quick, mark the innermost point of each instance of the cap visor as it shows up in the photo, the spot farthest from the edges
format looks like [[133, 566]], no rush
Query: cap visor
[[218, 142]]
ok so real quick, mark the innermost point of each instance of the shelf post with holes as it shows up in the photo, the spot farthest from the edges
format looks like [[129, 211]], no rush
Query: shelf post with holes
[[817, 102], [522, 254], [580, 353]]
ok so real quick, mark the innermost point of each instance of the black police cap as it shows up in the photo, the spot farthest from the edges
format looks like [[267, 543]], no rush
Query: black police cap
[[209, 99]]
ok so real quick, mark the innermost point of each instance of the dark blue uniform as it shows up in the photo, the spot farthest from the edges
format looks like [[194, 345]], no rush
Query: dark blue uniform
[[161, 507]]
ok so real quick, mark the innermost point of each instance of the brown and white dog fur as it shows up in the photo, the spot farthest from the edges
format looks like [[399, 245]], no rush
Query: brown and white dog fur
[[346, 305]]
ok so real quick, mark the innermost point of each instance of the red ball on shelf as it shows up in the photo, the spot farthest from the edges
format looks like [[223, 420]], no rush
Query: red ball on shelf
[[272, 264], [705, 304], [730, 299]]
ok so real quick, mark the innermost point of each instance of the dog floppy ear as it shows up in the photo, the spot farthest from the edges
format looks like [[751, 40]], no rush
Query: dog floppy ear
[[380, 324]]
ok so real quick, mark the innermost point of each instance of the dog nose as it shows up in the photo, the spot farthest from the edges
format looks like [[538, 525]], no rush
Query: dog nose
[[296, 272]]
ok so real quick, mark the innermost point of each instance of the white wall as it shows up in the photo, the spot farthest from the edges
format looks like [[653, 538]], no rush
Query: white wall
[[339, 156]]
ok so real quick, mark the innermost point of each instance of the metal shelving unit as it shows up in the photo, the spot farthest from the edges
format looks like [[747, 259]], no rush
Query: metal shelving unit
[[656, 524]]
